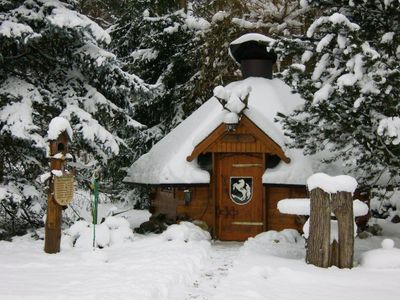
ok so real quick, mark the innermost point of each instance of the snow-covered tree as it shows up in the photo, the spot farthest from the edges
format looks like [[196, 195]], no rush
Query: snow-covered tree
[[159, 41], [349, 75], [231, 19], [53, 62]]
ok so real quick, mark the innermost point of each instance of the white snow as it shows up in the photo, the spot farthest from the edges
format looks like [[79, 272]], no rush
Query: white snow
[[386, 258], [146, 268], [329, 184], [336, 18], [387, 244], [185, 232], [301, 207], [320, 67], [197, 23], [11, 29], [114, 231], [390, 127], [269, 266], [387, 37], [160, 166], [324, 42], [294, 206], [231, 118], [250, 36], [253, 37], [322, 94], [91, 129], [334, 233], [57, 126], [266, 270], [17, 114], [57, 173], [219, 16], [306, 56], [63, 17]]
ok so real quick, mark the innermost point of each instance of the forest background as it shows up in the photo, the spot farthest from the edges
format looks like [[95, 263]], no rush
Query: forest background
[[126, 72]]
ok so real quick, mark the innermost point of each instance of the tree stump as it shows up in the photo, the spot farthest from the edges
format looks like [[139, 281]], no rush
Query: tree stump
[[318, 242], [342, 207]]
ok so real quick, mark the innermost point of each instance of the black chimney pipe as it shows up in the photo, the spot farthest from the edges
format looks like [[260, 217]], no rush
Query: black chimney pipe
[[254, 59]]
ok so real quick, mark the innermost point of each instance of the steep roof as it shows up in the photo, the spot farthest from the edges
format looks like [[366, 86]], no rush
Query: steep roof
[[166, 162]]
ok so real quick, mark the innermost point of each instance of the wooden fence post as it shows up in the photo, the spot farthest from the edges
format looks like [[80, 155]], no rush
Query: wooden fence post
[[54, 210], [318, 242], [342, 207]]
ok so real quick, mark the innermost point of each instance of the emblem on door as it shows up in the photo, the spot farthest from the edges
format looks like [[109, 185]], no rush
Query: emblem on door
[[241, 189]]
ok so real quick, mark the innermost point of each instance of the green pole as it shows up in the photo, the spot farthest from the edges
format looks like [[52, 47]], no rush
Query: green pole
[[95, 191]]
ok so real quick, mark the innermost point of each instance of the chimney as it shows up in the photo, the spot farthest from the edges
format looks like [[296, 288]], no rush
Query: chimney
[[250, 51]]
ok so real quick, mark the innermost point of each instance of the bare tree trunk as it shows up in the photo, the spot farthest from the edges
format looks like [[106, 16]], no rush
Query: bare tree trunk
[[342, 203], [183, 4], [318, 243]]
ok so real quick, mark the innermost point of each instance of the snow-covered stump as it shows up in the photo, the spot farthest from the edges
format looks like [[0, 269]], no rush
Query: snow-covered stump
[[331, 195], [318, 242], [342, 207]]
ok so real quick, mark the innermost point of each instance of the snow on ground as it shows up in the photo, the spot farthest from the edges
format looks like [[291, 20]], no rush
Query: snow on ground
[[220, 262], [146, 268], [269, 266], [265, 269]]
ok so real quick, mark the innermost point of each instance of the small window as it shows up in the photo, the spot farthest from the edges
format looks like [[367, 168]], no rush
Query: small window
[[205, 161], [272, 161]]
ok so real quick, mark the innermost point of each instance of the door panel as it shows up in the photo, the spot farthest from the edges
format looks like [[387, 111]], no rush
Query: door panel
[[239, 210]]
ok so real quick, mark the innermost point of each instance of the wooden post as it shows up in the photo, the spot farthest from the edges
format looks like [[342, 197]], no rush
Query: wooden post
[[342, 207], [54, 210], [318, 242]]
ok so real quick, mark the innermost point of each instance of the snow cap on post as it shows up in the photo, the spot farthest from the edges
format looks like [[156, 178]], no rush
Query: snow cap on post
[[57, 126], [332, 184], [253, 54]]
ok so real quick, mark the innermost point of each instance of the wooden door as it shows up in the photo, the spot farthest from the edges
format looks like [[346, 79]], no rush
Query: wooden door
[[239, 194]]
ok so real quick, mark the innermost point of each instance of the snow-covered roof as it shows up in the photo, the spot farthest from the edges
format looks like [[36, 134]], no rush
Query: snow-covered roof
[[166, 162]]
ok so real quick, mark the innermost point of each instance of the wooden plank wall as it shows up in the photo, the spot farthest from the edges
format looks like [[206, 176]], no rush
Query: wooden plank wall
[[164, 202], [274, 219], [200, 208], [172, 204]]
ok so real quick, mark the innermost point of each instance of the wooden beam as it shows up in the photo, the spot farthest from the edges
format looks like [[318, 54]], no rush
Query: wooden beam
[[211, 138]]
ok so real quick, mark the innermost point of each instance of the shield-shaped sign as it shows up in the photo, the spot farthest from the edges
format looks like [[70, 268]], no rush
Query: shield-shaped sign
[[241, 189], [64, 189]]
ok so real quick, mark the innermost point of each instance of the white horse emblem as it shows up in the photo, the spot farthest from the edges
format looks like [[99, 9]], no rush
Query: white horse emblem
[[241, 189]]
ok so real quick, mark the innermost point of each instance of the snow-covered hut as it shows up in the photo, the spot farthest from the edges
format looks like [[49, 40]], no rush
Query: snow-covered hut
[[227, 165]]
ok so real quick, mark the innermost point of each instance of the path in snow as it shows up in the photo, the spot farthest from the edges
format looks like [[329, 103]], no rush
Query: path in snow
[[221, 261]]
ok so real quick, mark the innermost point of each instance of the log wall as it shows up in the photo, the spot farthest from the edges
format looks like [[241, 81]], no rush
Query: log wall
[[274, 219]]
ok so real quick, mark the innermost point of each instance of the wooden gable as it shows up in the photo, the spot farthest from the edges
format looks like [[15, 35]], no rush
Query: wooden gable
[[247, 138]]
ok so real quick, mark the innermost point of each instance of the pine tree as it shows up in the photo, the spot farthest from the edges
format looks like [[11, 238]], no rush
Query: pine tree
[[158, 41], [349, 76], [53, 62]]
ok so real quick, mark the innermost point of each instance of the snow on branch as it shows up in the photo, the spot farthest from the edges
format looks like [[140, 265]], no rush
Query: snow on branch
[[92, 130], [17, 115], [390, 129], [335, 19], [63, 17], [12, 29]]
